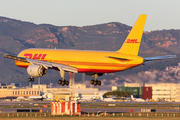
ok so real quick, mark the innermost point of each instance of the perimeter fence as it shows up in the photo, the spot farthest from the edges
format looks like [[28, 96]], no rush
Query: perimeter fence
[[133, 114]]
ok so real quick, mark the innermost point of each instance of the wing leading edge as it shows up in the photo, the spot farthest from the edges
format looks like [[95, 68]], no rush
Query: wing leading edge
[[43, 63]]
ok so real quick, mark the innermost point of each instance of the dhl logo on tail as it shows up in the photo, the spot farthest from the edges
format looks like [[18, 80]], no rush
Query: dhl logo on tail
[[132, 41]]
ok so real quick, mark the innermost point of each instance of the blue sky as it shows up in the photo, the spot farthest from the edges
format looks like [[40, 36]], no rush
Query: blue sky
[[162, 14]]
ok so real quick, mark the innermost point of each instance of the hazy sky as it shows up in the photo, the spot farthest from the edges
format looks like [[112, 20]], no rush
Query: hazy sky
[[162, 14]]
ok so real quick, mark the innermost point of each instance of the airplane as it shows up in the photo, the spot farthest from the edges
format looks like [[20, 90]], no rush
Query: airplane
[[109, 100], [21, 98], [92, 63], [89, 98], [36, 98], [137, 99]]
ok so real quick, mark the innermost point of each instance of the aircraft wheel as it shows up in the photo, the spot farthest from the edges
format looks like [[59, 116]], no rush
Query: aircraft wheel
[[60, 82], [67, 83], [29, 79], [99, 83], [32, 79], [63, 83], [92, 82], [95, 82]]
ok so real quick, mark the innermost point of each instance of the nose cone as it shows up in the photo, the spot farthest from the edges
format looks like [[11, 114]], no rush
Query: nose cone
[[20, 63]]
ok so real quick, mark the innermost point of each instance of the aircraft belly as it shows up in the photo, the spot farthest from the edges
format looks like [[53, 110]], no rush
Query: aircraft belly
[[96, 69], [99, 69]]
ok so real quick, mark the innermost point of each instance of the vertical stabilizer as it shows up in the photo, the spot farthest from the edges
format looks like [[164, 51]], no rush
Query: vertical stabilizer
[[132, 98], [132, 43]]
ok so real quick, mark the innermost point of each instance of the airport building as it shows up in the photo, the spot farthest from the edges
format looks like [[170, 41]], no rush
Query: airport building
[[163, 91], [11, 90], [167, 91], [139, 92], [136, 91], [78, 91]]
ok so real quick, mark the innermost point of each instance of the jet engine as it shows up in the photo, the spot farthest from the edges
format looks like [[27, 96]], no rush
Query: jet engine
[[36, 70]]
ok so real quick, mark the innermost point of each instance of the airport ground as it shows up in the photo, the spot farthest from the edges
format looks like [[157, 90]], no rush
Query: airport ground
[[92, 110], [92, 118], [94, 107], [89, 107]]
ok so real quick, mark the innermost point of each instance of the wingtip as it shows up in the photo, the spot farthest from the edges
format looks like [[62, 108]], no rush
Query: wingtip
[[171, 56], [174, 56], [5, 55]]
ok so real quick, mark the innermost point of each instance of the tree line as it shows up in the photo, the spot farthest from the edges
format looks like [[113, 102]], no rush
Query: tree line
[[117, 94]]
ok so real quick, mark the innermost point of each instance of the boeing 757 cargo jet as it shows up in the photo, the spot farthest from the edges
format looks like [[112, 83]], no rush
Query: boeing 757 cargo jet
[[92, 63]]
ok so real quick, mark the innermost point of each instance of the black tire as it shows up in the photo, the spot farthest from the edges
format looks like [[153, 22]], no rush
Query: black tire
[[63, 83], [99, 83], [29, 79], [59, 82], [67, 83], [95, 82], [32, 79], [92, 82]]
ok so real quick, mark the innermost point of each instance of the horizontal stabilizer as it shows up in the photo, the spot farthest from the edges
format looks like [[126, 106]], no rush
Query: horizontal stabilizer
[[159, 57]]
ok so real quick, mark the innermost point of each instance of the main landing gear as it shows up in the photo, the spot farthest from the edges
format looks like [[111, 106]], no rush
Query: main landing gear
[[31, 79], [63, 81], [95, 81]]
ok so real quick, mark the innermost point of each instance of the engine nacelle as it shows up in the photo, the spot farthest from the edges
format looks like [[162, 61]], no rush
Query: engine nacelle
[[36, 70]]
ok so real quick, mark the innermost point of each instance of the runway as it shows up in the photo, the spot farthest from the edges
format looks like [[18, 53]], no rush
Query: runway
[[122, 107], [89, 110], [20, 102], [12, 110], [120, 110]]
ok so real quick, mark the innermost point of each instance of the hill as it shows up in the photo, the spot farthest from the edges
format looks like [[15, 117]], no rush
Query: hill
[[16, 35]]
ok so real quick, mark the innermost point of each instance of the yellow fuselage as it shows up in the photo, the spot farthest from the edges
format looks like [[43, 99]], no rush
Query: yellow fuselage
[[84, 61]]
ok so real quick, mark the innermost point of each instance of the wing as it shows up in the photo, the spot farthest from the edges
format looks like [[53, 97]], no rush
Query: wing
[[159, 57], [43, 63]]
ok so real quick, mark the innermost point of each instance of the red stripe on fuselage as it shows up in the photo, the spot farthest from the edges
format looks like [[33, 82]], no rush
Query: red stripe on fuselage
[[83, 70], [94, 64]]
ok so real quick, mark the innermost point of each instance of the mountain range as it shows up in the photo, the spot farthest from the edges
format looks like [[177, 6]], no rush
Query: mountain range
[[16, 35]]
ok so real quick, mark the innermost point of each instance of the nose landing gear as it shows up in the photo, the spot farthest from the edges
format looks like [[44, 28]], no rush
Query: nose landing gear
[[31, 79]]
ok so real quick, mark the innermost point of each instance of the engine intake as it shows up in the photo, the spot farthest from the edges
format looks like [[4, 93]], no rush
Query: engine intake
[[36, 70]]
